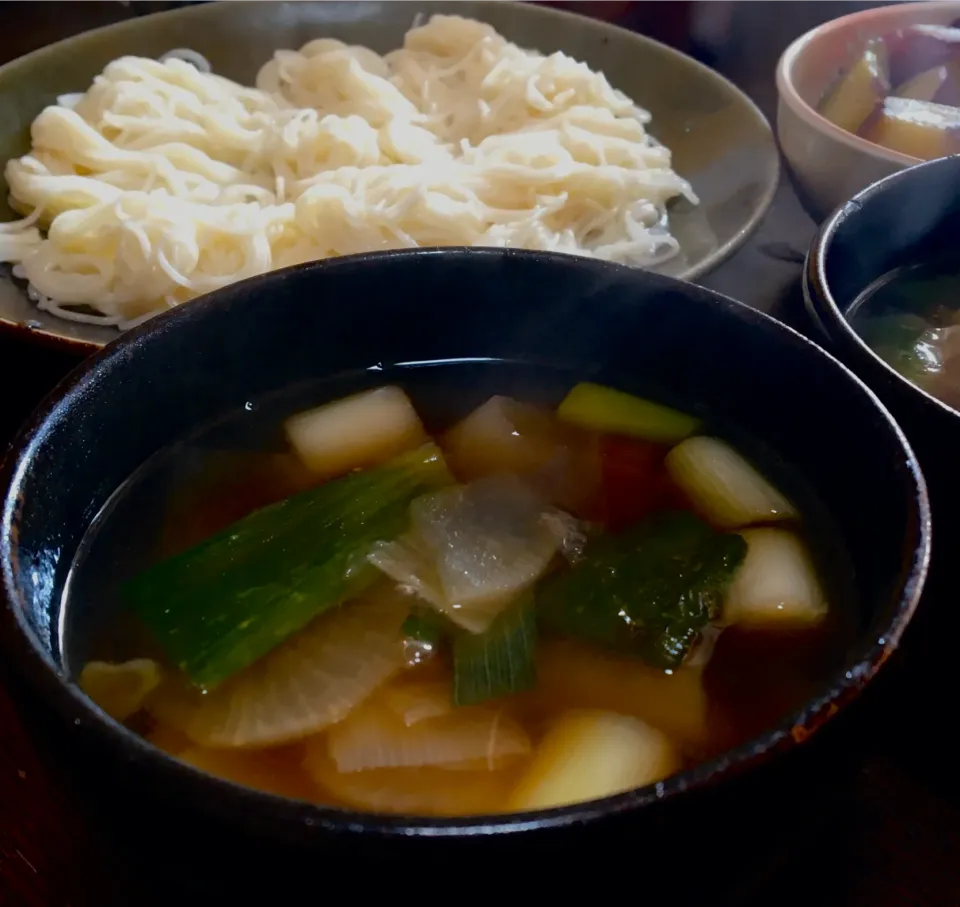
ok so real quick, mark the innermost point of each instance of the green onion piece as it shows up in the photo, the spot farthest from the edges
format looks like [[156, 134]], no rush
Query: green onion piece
[[647, 592], [223, 604], [603, 409], [499, 661]]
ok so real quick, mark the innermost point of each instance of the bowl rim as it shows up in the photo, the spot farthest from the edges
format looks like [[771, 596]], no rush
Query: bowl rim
[[845, 684], [201, 12], [791, 97], [819, 298]]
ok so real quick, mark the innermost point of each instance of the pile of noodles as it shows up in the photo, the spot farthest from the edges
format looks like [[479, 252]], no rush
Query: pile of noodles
[[164, 181]]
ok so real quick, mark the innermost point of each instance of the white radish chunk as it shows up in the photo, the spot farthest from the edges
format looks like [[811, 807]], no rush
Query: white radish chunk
[[506, 436], [358, 431], [416, 702], [120, 689], [411, 791], [726, 488], [314, 679], [489, 540], [777, 585], [502, 435], [587, 755], [408, 563], [374, 737]]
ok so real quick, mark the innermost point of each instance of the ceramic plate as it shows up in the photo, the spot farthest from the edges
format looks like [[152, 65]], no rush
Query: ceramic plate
[[720, 140]]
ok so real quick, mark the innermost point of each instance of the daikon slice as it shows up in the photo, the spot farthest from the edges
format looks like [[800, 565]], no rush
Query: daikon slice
[[777, 584], [311, 681], [406, 561], [507, 436], [591, 754], [490, 540], [416, 702], [374, 737], [412, 791], [502, 436], [358, 431], [724, 486], [120, 689]]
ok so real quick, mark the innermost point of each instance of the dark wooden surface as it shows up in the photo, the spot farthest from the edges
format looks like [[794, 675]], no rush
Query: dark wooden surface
[[901, 814]]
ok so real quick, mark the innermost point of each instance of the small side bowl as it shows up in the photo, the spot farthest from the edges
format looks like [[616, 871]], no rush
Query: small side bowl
[[597, 321], [829, 164], [907, 218]]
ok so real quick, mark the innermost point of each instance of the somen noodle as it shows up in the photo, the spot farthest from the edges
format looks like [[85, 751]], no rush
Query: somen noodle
[[163, 182]]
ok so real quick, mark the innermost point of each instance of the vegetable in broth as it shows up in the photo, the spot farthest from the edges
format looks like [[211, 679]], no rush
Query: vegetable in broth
[[225, 603], [648, 591], [910, 317], [523, 612]]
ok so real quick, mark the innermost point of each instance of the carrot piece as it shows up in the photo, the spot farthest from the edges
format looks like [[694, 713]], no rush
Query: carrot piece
[[635, 483]]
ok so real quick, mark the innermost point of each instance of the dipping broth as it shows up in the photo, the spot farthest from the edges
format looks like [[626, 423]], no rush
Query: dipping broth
[[910, 317], [462, 589]]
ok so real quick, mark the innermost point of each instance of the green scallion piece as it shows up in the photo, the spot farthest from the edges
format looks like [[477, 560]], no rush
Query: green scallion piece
[[225, 603], [646, 592], [499, 661]]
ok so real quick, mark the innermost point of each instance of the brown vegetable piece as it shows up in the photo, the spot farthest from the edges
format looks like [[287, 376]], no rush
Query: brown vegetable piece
[[919, 128], [860, 92]]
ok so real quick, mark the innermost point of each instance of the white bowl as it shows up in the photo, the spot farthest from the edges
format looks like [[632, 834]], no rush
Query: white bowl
[[830, 165]]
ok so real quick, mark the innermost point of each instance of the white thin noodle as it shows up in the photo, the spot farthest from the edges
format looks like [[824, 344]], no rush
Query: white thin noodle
[[163, 182], [198, 61]]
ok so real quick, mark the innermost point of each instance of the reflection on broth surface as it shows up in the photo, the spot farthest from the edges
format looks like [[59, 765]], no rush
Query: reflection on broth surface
[[465, 589], [910, 317]]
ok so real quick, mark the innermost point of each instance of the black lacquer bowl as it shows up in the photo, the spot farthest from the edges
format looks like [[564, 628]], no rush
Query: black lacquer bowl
[[623, 327], [908, 218]]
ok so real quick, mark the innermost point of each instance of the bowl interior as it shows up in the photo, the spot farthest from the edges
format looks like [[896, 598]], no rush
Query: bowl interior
[[784, 399], [813, 63], [909, 218], [720, 140]]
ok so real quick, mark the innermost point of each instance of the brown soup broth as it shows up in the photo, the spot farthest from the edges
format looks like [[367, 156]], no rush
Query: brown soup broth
[[200, 485]]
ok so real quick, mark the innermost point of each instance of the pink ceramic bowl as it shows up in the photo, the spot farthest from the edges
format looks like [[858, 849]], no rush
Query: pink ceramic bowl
[[830, 165]]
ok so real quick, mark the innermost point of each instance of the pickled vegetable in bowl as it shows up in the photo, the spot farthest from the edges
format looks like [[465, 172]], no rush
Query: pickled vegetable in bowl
[[430, 599], [903, 92]]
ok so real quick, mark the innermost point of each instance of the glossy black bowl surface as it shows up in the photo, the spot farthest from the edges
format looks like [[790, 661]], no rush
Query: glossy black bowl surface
[[638, 331], [908, 218]]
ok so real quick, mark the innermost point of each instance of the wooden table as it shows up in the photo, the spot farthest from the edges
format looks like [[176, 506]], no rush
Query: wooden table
[[901, 839]]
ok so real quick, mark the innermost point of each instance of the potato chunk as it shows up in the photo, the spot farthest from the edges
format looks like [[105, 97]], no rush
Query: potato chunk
[[777, 585], [357, 431], [591, 754]]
